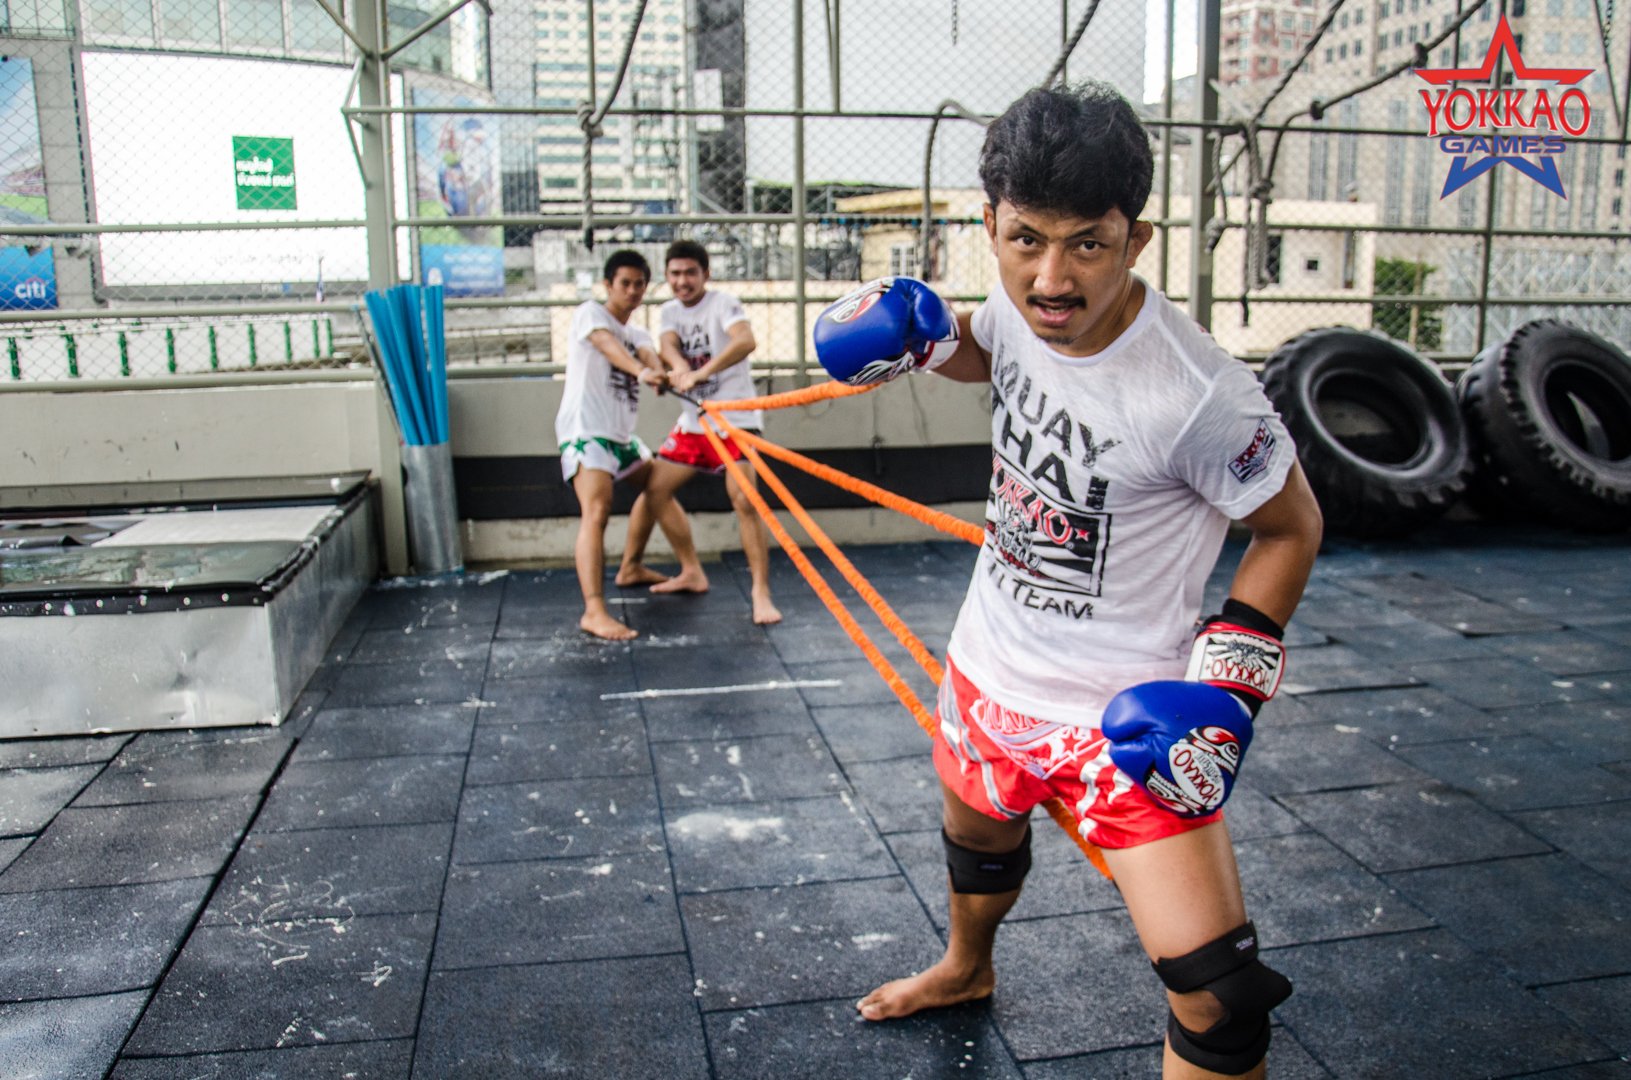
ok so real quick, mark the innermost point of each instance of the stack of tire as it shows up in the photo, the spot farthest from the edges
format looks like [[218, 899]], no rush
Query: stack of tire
[[1538, 427]]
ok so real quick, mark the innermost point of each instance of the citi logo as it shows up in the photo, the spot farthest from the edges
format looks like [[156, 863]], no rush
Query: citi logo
[[33, 288]]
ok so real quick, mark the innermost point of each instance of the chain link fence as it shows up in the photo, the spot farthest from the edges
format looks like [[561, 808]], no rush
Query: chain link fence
[[183, 186]]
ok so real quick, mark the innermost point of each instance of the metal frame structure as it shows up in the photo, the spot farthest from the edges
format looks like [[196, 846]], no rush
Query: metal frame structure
[[368, 124]]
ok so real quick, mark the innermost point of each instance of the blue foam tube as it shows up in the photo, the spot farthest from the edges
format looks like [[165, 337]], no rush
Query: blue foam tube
[[394, 351]]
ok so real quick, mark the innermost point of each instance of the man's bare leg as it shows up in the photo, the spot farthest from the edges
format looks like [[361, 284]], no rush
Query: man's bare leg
[[666, 478], [965, 972], [756, 546], [1183, 892], [594, 491], [633, 571]]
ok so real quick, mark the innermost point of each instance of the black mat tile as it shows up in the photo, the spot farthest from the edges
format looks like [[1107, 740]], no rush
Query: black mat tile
[[1331, 608], [298, 983], [406, 682], [167, 767], [858, 684], [555, 621], [124, 845], [1499, 683], [575, 658], [902, 795], [806, 1042], [1045, 969], [1061, 882], [368, 791], [1288, 710], [1338, 667], [1599, 731], [632, 1019], [744, 770], [1413, 642], [1406, 826], [779, 842], [735, 715], [405, 602], [1519, 772], [30, 798], [332, 873], [388, 731], [10, 849], [871, 733], [464, 644], [1607, 1069], [740, 664], [83, 942], [387, 1060], [1409, 715], [71, 1039], [1599, 836], [525, 701], [1600, 1006], [1450, 607], [1543, 919], [1319, 757], [613, 745], [758, 947], [1287, 1060], [1564, 652], [557, 819], [45, 753], [1250, 814], [1617, 632], [558, 909], [1301, 888], [1400, 984], [302, 713]]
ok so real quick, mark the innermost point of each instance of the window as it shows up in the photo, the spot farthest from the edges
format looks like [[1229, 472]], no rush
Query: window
[[255, 24], [1343, 51], [1271, 258], [1552, 42], [1359, 48], [1518, 8], [197, 22], [119, 19], [902, 260], [310, 29], [1577, 44], [1311, 266]]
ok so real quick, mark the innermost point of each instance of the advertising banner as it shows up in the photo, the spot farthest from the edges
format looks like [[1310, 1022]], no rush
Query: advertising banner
[[28, 277], [457, 175]]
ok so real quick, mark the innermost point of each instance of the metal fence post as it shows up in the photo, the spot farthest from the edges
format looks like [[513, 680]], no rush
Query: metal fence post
[[1209, 15], [798, 193]]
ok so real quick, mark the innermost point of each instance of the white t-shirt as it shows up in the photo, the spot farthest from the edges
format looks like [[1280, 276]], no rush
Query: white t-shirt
[[704, 332], [599, 400], [1114, 478]]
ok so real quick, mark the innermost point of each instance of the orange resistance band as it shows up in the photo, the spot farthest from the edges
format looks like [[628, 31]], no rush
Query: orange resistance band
[[1056, 809]]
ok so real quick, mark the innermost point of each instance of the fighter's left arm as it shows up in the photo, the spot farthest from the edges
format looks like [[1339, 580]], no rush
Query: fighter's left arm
[[742, 342], [1286, 533]]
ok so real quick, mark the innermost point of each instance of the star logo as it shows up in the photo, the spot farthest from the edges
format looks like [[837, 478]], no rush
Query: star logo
[[1497, 109]]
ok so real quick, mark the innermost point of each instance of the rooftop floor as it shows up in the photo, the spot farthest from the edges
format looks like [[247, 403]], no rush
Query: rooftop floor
[[460, 857]]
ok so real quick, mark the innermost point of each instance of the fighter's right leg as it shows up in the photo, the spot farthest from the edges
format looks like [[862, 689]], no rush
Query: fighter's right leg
[[594, 491], [986, 863]]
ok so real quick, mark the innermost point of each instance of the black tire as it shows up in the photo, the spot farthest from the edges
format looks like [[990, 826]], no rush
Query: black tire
[[1377, 429], [1550, 414]]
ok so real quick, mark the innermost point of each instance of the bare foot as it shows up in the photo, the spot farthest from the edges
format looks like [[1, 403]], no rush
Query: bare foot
[[602, 625], [685, 581], [638, 574], [764, 612], [933, 989]]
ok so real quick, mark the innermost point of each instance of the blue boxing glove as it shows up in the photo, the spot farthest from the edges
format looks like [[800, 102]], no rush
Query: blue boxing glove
[[884, 329], [1182, 742]]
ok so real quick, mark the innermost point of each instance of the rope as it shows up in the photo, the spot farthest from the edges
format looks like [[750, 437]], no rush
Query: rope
[[914, 646], [590, 118]]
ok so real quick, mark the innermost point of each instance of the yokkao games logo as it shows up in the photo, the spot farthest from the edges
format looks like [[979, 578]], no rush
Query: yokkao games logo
[[1483, 125]]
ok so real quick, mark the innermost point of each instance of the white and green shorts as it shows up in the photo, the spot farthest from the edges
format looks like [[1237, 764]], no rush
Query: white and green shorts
[[593, 452]]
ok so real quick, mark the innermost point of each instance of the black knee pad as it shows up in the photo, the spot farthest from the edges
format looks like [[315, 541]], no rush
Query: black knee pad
[[1247, 988], [982, 872]]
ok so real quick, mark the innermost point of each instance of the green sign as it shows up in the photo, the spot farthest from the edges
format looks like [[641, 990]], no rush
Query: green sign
[[263, 170]]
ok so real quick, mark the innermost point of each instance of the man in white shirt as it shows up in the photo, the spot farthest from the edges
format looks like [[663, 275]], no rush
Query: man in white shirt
[[706, 340], [606, 361], [1124, 440]]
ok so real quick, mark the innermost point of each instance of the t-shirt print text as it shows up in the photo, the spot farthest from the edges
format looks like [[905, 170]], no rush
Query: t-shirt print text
[[1050, 544]]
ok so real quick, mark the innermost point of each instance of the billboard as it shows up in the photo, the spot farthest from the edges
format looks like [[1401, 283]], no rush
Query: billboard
[[28, 277], [457, 175], [192, 139]]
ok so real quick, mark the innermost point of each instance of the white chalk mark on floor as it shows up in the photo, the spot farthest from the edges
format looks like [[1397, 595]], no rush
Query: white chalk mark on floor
[[699, 691]]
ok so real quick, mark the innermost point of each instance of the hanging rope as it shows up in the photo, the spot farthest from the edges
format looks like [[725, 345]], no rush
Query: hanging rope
[[590, 118]]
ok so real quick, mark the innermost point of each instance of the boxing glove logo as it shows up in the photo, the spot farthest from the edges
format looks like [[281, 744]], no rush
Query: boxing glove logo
[[855, 304], [1203, 765]]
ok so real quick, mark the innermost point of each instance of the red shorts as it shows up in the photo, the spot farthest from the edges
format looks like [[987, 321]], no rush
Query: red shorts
[[693, 449], [1003, 763]]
